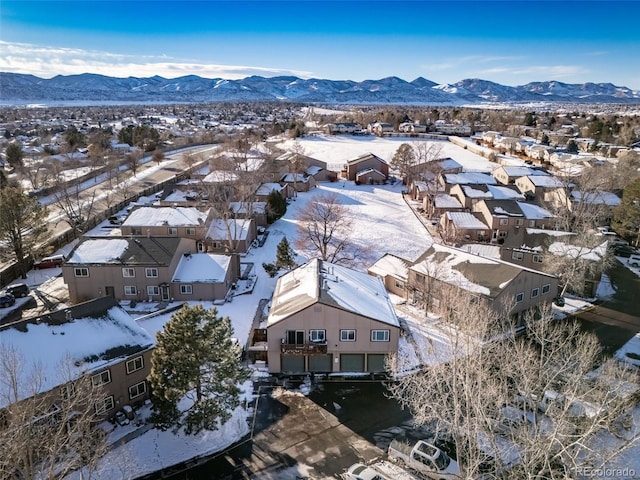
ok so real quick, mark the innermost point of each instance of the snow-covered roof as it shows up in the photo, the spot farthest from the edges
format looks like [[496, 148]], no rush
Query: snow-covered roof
[[314, 170], [99, 250], [443, 200], [334, 285], [499, 192], [202, 268], [596, 198], [366, 171], [243, 207], [166, 216], [239, 229], [267, 188], [577, 252], [80, 339], [470, 178], [522, 171], [390, 265], [545, 181], [298, 177], [125, 251], [465, 220], [532, 211], [366, 156], [220, 176], [473, 273]]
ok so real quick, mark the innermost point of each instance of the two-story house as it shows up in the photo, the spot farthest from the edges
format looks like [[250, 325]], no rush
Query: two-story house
[[326, 318], [507, 174], [367, 168]]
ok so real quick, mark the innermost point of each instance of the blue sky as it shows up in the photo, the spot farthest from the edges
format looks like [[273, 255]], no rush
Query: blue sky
[[510, 42]]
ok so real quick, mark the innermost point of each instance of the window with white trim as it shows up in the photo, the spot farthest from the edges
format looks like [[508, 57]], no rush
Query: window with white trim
[[399, 284], [191, 231], [172, 231], [379, 335], [153, 290], [537, 259], [517, 256], [137, 390], [347, 335], [186, 289], [546, 288], [534, 293], [101, 378], [104, 405], [519, 221], [151, 272], [128, 272], [136, 231], [520, 297], [135, 364], [68, 391], [130, 290], [504, 221], [81, 272], [532, 223], [317, 336]]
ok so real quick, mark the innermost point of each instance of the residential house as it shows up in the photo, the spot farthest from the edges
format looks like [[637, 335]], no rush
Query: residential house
[[204, 276], [255, 210], [97, 338], [230, 236], [265, 189], [300, 182], [394, 273], [410, 127], [326, 318], [469, 195], [445, 128], [508, 289], [308, 166], [439, 203], [463, 226], [341, 127], [508, 216], [536, 186], [184, 222], [126, 268], [507, 174], [367, 168], [448, 180], [380, 128]]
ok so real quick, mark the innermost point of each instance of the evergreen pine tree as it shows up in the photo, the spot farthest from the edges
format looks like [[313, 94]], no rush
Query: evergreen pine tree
[[276, 206], [195, 357], [285, 257]]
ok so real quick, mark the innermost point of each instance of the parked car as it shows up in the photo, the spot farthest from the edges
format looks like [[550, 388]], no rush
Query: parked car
[[49, 262], [18, 290], [424, 458], [634, 260], [116, 220], [6, 300], [358, 471]]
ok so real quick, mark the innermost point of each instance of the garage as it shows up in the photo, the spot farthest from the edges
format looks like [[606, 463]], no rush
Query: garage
[[375, 362], [352, 362], [292, 364], [320, 363]]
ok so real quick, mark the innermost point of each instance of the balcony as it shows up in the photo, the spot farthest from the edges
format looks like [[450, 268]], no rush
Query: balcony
[[303, 348]]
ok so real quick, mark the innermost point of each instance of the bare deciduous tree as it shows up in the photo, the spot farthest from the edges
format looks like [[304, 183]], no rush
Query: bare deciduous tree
[[46, 434], [75, 204], [528, 405]]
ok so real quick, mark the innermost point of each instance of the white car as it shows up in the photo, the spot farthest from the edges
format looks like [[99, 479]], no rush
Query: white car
[[358, 471]]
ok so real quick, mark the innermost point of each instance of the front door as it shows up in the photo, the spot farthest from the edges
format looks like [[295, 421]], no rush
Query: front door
[[164, 291], [110, 291]]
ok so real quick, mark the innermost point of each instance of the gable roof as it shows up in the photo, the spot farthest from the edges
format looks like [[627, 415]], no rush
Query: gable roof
[[169, 216], [521, 171], [466, 221], [333, 285], [125, 250], [82, 338], [202, 268], [363, 157], [469, 178], [392, 265], [473, 273], [239, 229]]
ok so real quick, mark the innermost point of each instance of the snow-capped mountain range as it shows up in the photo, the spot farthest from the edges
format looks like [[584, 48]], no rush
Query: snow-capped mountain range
[[18, 89]]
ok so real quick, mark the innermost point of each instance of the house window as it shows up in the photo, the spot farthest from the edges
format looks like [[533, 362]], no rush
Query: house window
[[130, 290], [128, 272], [104, 405], [419, 278], [504, 221], [136, 231], [101, 378], [537, 259], [520, 297], [151, 272], [532, 223], [519, 221], [81, 272], [68, 391], [399, 285], [191, 231], [546, 288], [347, 335], [379, 335], [294, 337], [534, 293], [137, 390], [173, 231], [186, 289], [153, 290], [135, 365], [317, 336], [517, 256], [216, 245]]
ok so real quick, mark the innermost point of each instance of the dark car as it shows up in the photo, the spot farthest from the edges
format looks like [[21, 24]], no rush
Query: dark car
[[6, 300], [18, 290], [49, 262]]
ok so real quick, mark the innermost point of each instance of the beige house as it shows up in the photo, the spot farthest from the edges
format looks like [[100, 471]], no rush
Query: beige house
[[460, 227], [184, 222], [507, 174], [367, 166], [230, 236], [507, 288], [449, 180], [537, 186], [505, 216], [126, 268], [325, 318], [394, 273], [469, 195], [204, 276], [97, 339]]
